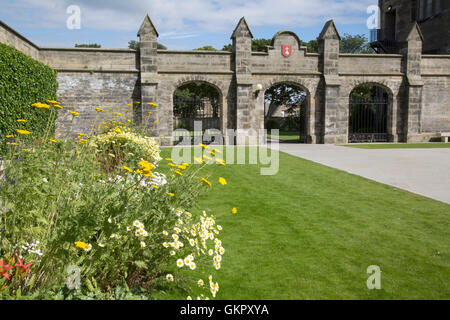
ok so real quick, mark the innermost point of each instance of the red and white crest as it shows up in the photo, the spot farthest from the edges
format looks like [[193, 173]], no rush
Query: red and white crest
[[286, 51]]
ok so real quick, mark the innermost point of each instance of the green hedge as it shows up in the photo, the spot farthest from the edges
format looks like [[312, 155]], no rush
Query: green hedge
[[23, 81]]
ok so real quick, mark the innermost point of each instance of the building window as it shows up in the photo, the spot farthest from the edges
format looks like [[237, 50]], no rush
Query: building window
[[427, 8], [413, 10]]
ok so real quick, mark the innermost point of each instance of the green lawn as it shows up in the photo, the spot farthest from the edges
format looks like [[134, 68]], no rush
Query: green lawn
[[400, 145], [287, 136], [311, 231]]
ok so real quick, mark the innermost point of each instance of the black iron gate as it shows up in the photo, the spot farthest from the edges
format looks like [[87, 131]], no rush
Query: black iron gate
[[186, 111], [368, 120]]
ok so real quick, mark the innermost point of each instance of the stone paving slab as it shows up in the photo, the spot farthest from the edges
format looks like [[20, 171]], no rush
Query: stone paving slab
[[421, 171]]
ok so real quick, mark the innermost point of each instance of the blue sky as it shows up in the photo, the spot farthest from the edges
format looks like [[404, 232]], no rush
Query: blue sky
[[182, 24]]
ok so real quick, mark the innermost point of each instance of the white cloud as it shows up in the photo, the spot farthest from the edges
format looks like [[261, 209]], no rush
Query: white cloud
[[189, 18]]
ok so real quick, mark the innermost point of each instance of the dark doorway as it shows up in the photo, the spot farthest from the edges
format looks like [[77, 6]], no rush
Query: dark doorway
[[368, 114], [196, 102]]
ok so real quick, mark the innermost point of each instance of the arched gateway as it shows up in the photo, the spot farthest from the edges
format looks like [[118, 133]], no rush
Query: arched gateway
[[327, 78], [416, 107]]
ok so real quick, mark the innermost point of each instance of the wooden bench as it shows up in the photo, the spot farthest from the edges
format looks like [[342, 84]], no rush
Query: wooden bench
[[445, 136]]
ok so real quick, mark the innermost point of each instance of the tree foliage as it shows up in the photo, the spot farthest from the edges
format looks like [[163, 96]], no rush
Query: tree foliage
[[135, 45], [206, 48], [285, 94], [355, 44]]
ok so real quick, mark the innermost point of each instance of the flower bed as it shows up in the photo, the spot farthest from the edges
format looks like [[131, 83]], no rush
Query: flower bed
[[103, 217]]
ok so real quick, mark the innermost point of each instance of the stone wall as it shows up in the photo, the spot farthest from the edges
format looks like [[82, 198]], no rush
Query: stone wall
[[11, 37], [84, 91], [417, 85], [436, 28]]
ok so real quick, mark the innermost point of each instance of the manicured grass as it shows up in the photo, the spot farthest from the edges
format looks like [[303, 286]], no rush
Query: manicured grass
[[288, 136], [400, 145], [310, 232]]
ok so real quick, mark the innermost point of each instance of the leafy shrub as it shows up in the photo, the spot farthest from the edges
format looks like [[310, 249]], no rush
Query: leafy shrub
[[121, 145], [23, 81]]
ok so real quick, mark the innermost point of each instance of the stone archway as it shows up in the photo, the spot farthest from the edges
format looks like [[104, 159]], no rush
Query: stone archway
[[197, 105], [370, 113], [304, 119]]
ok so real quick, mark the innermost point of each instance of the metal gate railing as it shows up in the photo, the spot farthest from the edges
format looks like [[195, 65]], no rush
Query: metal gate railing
[[188, 110], [368, 120]]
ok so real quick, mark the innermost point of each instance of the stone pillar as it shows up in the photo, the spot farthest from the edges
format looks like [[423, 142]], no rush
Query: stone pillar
[[413, 59], [247, 121], [335, 130], [153, 118]]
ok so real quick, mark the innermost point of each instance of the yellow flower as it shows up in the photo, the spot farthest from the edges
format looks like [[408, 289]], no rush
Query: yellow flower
[[10, 136], [40, 105], [58, 106], [52, 140], [99, 110], [117, 114], [156, 121], [117, 130], [216, 150], [21, 120], [24, 132], [171, 194], [234, 211], [222, 181], [152, 104], [74, 113], [199, 160], [207, 182], [81, 245], [128, 169], [204, 146], [12, 143], [155, 187], [178, 172]]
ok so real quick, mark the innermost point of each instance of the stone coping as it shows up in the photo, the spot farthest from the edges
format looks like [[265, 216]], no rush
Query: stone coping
[[18, 35], [87, 49]]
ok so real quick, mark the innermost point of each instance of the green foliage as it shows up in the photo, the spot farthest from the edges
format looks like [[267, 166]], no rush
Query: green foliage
[[312, 46], [207, 48], [90, 45], [125, 146], [24, 81], [364, 91], [260, 45], [228, 47], [135, 45], [91, 233], [355, 44]]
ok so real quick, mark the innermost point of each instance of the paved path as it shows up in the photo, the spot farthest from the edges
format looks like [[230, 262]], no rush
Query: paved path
[[422, 171]]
